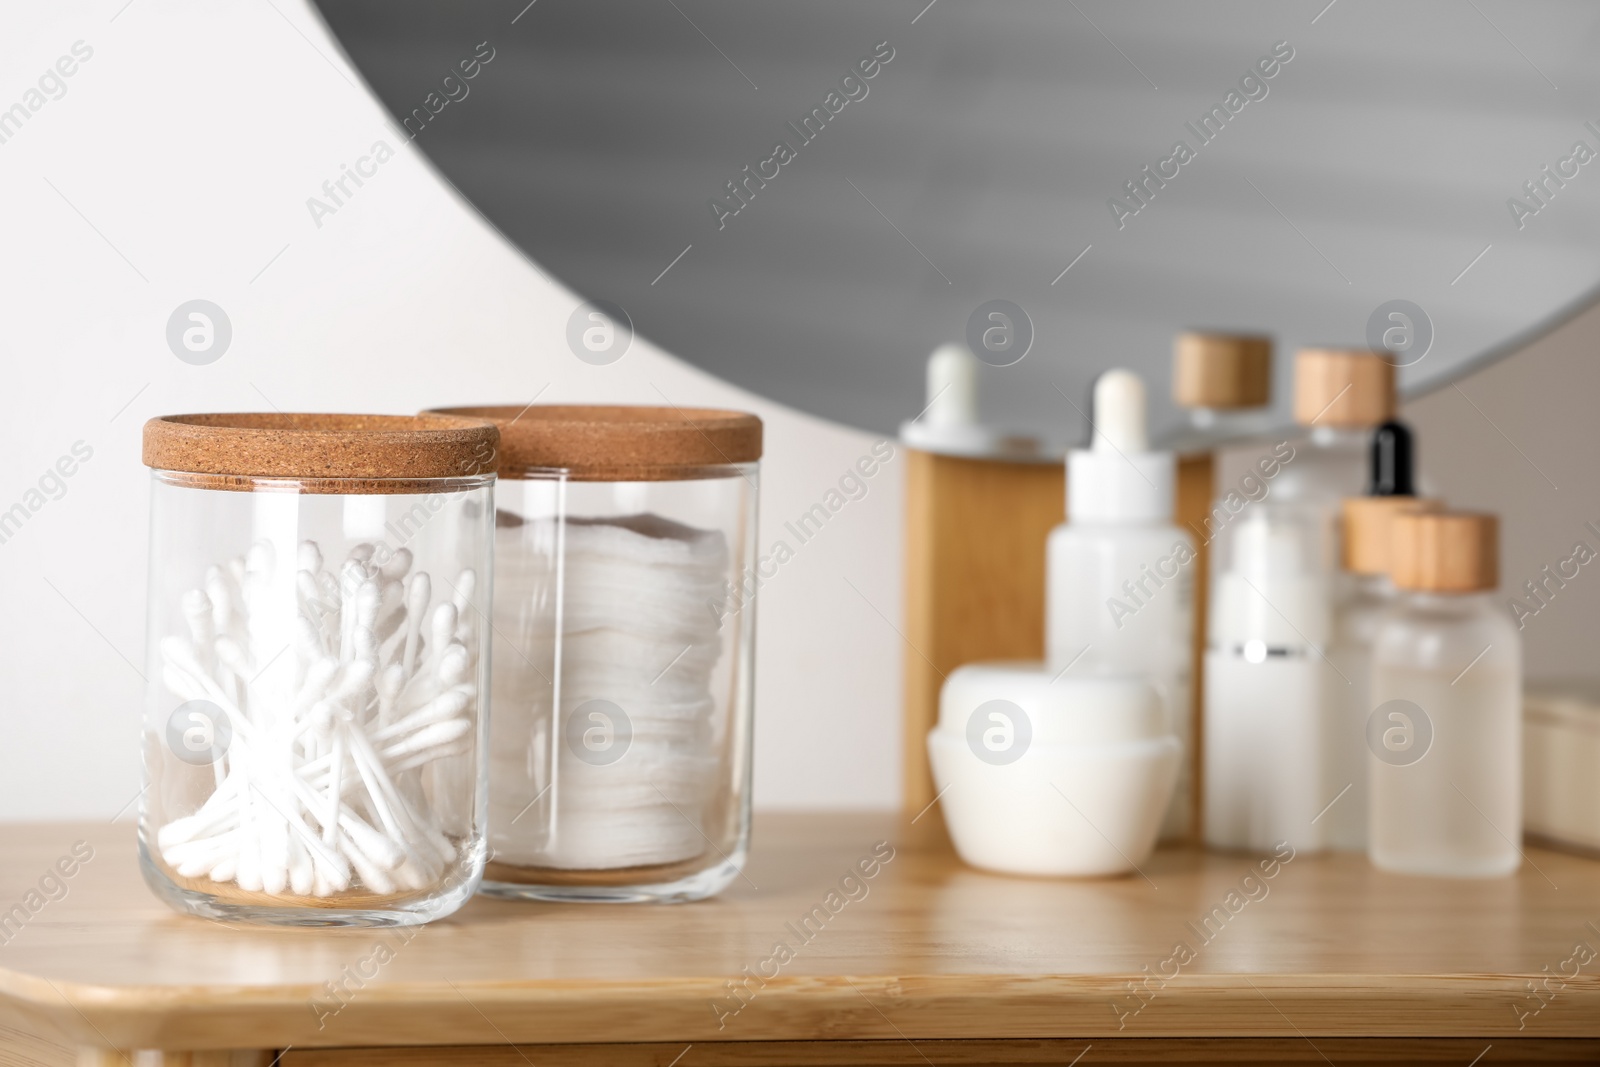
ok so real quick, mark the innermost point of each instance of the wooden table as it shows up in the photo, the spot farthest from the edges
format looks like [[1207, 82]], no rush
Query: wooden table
[[926, 961]]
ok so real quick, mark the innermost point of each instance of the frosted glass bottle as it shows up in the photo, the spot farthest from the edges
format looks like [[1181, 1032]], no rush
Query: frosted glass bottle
[[1339, 396], [1445, 735], [1369, 597], [1120, 600], [1330, 465]]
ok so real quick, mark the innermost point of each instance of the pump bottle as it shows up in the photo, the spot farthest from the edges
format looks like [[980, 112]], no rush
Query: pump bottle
[[1120, 572], [1265, 682]]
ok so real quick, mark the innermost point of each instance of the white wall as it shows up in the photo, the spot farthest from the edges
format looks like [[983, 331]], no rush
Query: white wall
[[191, 140]]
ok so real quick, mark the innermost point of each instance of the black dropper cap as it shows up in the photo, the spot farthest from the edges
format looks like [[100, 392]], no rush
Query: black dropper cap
[[1392, 462]]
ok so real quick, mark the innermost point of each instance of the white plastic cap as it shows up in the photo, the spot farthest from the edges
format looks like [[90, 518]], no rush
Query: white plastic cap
[[952, 387], [1118, 478], [1119, 413]]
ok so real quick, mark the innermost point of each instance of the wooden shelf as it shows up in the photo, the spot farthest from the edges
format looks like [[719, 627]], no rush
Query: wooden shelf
[[1328, 948]]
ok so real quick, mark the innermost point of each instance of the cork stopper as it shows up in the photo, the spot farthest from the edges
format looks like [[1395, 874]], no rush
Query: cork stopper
[[1368, 536], [1345, 387], [1221, 370], [619, 443], [333, 453], [1446, 552]]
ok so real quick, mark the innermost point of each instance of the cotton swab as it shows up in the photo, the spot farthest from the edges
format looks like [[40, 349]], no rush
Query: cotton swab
[[382, 686]]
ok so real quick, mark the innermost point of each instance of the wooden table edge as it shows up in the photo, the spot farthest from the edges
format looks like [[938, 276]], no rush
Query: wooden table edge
[[876, 1007]]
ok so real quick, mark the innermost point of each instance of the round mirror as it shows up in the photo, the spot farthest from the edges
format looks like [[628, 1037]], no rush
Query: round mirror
[[806, 198]]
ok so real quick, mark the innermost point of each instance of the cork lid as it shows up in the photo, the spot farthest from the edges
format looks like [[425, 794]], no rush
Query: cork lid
[[1446, 552], [619, 442], [1221, 370], [1350, 387], [1368, 535], [357, 453]]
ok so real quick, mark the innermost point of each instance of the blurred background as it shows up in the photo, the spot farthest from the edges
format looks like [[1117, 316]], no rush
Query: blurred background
[[196, 152]]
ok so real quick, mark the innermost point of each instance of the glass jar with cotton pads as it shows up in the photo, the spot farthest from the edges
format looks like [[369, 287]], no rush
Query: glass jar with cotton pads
[[1041, 772], [318, 665], [625, 573]]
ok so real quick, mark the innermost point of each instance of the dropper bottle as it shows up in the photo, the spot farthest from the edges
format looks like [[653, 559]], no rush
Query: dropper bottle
[[949, 424], [1367, 536], [1120, 596]]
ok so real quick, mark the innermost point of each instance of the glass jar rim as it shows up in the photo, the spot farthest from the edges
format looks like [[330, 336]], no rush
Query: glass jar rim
[[629, 474], [252, 483]]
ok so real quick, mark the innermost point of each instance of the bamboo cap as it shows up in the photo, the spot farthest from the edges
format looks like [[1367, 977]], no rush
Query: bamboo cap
[[1446, 552], [1348, 387], [1368, 538], [1221, 370], [619, 442], [364, 453]]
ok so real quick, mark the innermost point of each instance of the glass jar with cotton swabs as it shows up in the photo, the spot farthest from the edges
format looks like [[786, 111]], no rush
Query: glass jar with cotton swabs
[[317, 668], [624, 584]]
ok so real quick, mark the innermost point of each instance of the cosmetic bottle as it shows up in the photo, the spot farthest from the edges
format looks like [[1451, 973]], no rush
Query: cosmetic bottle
[[1224, 382], [949, 424], [1265, 686], [1048, 775], [1445, 732], [1120, 583], [1339, 396], [1369, 593]]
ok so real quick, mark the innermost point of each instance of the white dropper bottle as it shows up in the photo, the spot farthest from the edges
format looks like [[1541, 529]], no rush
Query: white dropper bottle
[[949, 424], [1120, 598]]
